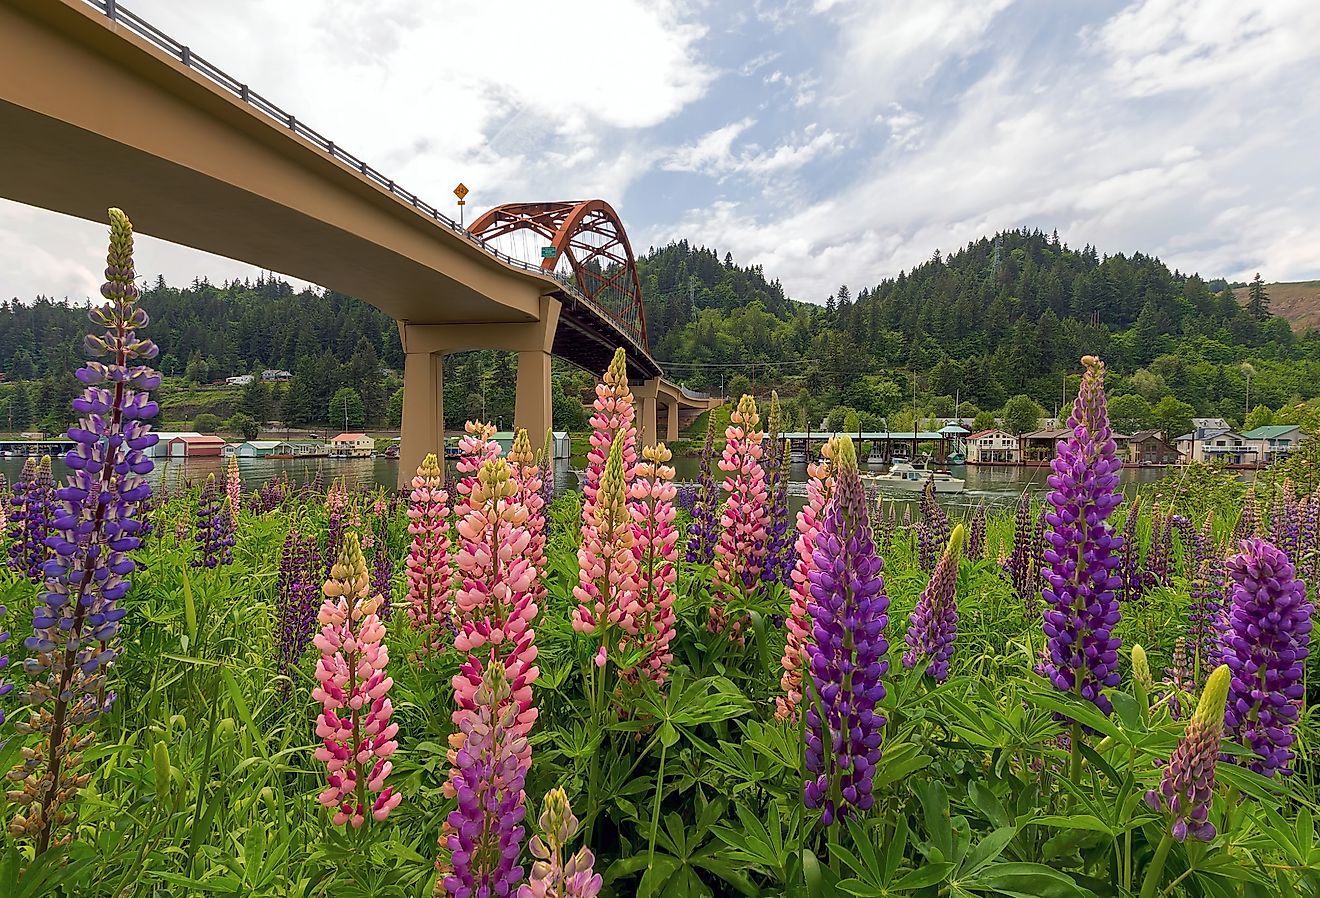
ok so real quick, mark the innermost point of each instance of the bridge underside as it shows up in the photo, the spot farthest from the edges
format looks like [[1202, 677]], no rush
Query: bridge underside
[[92, 115]]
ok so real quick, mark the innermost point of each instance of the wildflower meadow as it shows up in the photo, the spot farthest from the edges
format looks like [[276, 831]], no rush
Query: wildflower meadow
[[480, 687]]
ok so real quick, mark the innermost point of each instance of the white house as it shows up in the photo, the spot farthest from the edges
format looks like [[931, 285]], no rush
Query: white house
[[353, 445], [995, 446], [239, 380], [1274, 441], [276, 375], [1218, 445]]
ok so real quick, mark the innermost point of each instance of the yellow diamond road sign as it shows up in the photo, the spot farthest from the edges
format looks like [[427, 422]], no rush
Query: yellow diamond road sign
[[461, 191]]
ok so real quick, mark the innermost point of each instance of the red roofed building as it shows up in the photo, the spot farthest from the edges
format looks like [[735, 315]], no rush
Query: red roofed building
[[196, 446], [352, 445]]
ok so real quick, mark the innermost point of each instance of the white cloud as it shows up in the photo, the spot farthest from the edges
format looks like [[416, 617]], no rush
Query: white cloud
[[713, 153]]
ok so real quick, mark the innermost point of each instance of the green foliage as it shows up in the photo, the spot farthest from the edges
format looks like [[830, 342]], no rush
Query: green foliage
[[346, 409], [1021, 414], [244, 425], [206, 423], [204, 782], [1172, 416]]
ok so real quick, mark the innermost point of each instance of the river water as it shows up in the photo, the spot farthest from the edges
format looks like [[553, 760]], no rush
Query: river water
[[994, 486]]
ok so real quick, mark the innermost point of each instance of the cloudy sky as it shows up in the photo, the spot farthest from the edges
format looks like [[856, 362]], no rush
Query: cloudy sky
[[831, 141]]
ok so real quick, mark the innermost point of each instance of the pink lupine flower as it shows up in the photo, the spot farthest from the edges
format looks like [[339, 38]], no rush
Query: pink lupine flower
[[429, 575], [820, 490], [527, 474], [353, 688], [740, 552], [493, 599], [475, 448], [607, 565], [613, 415], [649, 617], [552, 876], [233, 486]]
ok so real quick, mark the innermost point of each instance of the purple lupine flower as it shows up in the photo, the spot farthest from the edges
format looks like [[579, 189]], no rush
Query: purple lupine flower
[[1189, 538], [95, 525], [934, 623], [976, 533], [1285, 520], [907, 516], [1249, 521], [1160, 551], [1308, 539], [30, 519], [1205, 614], [213, 528], [1266, 647], [1132, 580], [485, 833], [685, 497], [298, 597], [780, 554], [1179, 677], [1189, 777], [382, 572], [849, 610], [702, 534], [932, 529], [5, 688], [1080, 560], [1021, 563], [334, 537]]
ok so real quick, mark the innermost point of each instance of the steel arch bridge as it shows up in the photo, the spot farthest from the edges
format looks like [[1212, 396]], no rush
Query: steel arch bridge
[[588, 235]]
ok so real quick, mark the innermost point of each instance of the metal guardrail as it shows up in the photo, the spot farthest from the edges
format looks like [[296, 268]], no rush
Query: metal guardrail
[[118, 14]]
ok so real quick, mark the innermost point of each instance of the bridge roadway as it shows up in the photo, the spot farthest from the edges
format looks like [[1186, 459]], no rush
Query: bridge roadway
[[100, 109]]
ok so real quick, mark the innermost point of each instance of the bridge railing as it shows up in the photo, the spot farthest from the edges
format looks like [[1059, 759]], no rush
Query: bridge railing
[[118, 14]]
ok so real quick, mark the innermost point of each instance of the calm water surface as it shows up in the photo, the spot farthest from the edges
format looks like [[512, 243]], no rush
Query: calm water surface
[[995, 486]]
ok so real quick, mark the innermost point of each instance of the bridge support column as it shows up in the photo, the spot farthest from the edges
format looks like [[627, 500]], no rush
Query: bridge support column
[[532, 402], [423, 426], [647, 396], [671, 424]]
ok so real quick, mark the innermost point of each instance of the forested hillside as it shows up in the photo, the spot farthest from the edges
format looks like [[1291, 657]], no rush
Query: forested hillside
[[1004, 317]]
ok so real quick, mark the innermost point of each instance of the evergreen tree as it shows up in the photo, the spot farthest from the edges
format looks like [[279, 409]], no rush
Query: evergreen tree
[[1258, 300]]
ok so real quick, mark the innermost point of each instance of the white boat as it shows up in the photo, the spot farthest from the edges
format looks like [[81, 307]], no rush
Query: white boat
[[903, 476]]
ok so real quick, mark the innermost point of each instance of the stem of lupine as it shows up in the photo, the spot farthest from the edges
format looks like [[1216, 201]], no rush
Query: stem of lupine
[[655, 809], [1155, 872]]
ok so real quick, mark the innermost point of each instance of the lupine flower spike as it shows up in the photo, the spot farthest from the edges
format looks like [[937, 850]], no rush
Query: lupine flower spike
[[1189, 778], [1081, 554], [76, 622], [613, 416], [353, 688], [297, 591], [820, 492], [1266, 648], [484, 834], [551, 876], [607, 564], [214, 528], [703, 531], [649, 618], [29, 520], [429, 573], [233, 487], [934, 624], [849, 610], [527, 474], [740, 551]]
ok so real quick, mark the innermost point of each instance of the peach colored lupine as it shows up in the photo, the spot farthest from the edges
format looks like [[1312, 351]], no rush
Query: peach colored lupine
[[528, 474], [649, 619], [493, 599], [356, 747], [430, 577], [613, 415], [233, 486], [820, 490], [607, 566], [740, 551]]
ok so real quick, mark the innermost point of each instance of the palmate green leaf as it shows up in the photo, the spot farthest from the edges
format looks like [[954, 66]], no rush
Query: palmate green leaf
[[1074, 708], [1021, 879], [987, 850], [1075, 821], [924, 876]]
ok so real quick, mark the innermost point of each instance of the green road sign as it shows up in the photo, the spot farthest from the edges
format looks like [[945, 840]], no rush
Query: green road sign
[[548, 252]]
